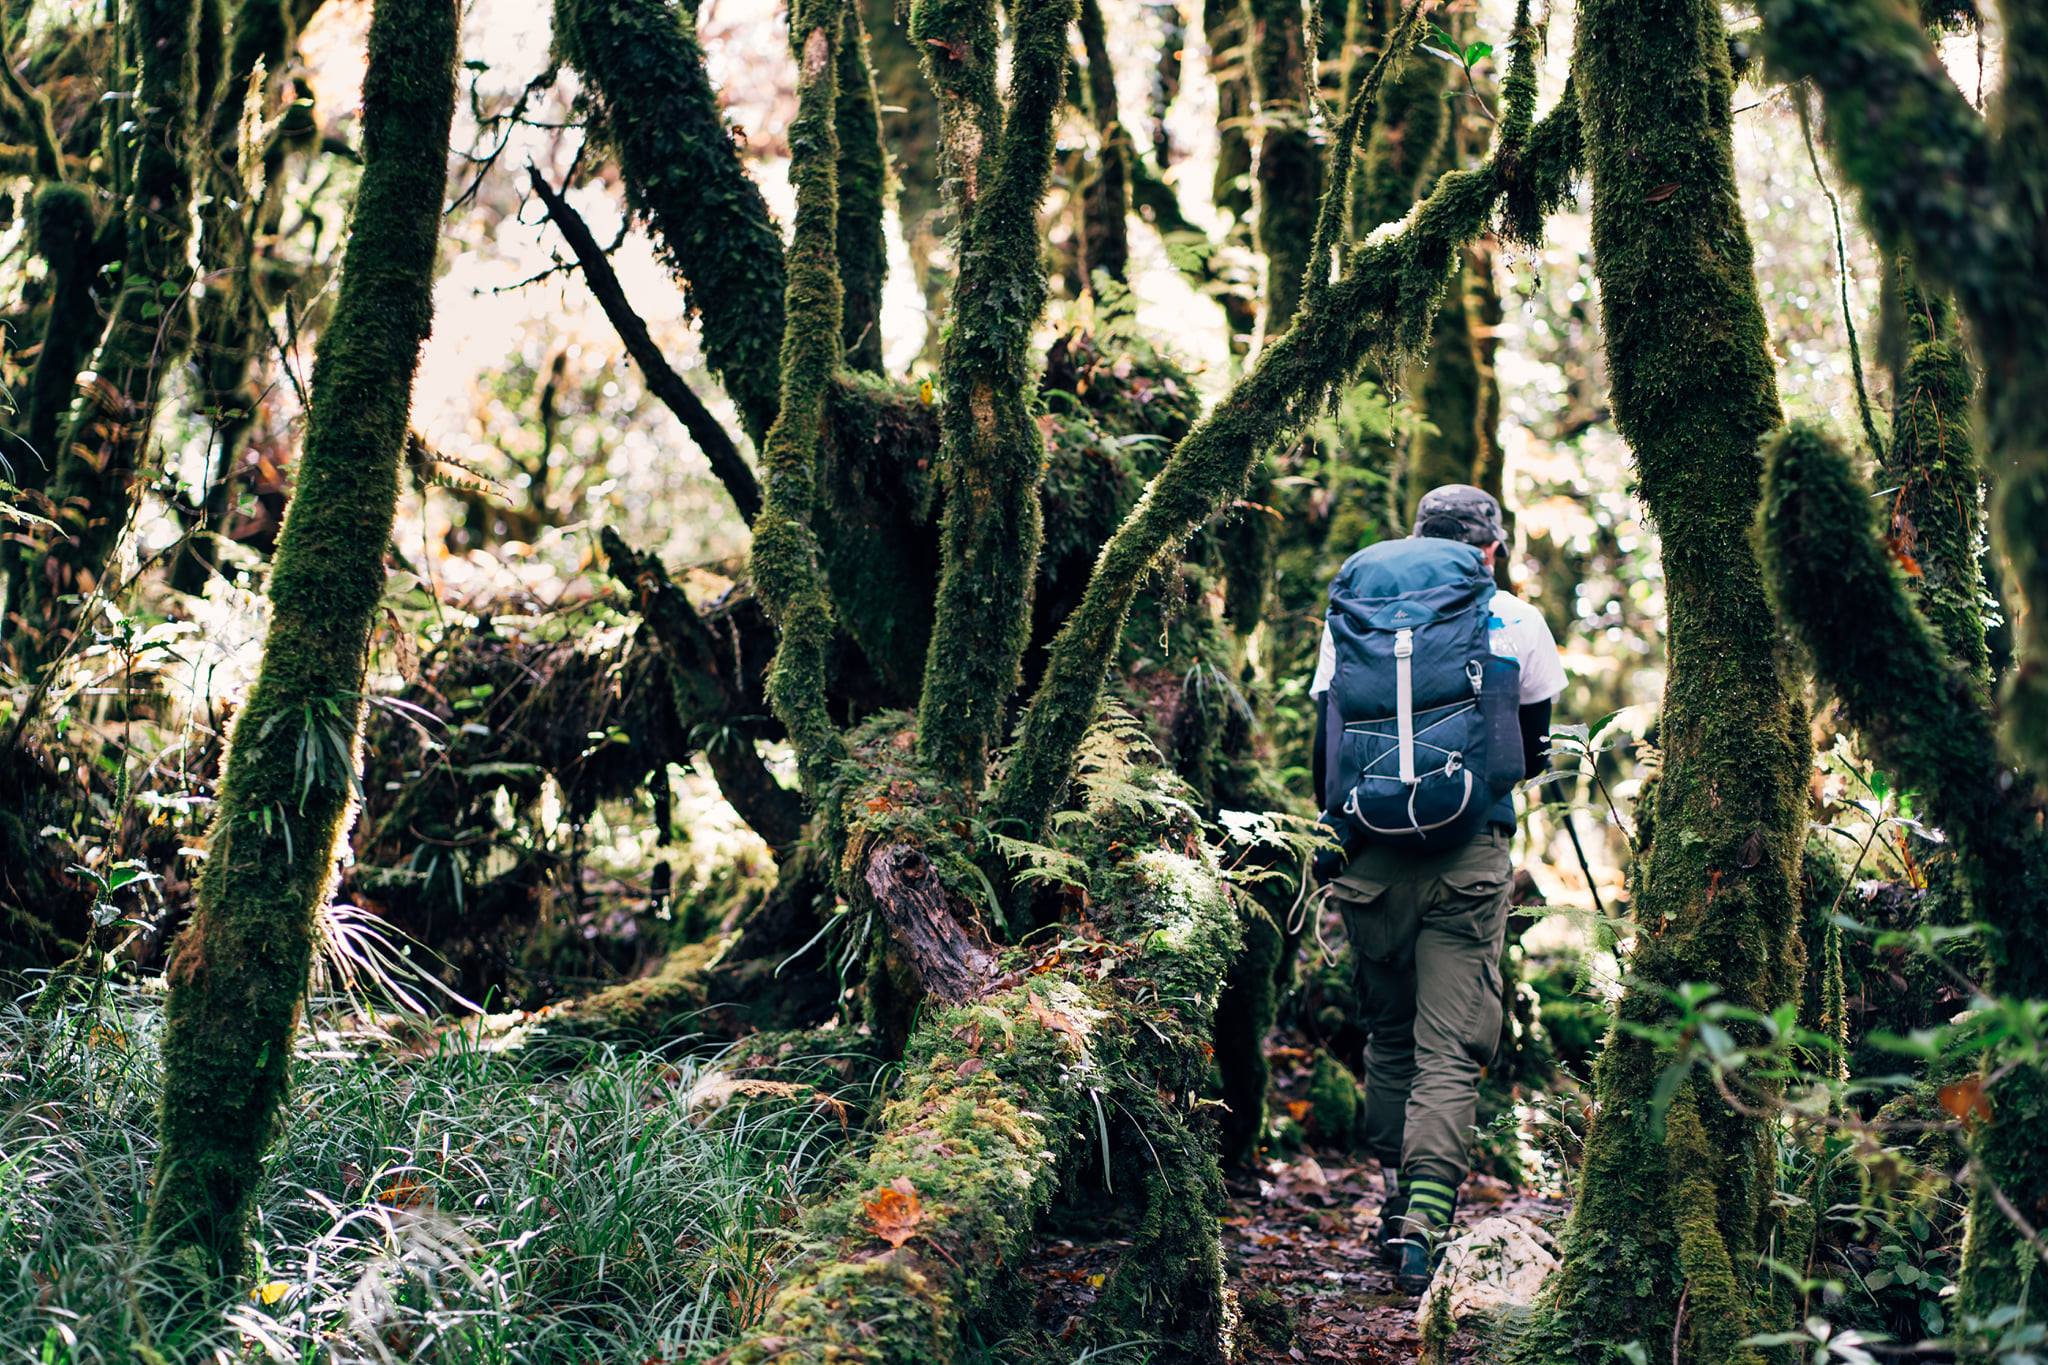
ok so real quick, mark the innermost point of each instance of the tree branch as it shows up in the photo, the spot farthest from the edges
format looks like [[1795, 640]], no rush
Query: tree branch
[[991, 451], [662, 381]]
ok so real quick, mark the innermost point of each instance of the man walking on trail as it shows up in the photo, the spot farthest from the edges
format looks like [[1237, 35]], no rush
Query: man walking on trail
[[1433, 695]]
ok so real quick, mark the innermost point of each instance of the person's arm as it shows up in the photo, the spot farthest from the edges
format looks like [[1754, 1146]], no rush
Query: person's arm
[[1319, 764], [1535, 718]]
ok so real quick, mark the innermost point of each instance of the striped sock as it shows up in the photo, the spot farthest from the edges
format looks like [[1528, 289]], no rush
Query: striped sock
[[1429, 1205]]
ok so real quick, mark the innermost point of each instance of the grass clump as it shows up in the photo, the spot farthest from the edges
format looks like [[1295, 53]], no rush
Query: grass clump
[[431, 1200]]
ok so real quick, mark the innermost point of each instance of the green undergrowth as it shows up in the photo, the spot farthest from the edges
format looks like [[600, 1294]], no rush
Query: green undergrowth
[[431, 1199]]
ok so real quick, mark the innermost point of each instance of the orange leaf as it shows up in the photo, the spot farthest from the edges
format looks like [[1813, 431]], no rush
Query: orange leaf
[[1298, 1110], [894, 1211], [1965, 1099], [881, 803], [403, 1194]]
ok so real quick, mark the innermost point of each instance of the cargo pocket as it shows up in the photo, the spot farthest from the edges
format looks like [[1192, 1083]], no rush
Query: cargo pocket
[[1474, 913], [1368, 917]]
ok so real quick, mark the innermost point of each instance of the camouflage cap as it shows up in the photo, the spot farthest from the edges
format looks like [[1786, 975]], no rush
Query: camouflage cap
[[1458, 511]]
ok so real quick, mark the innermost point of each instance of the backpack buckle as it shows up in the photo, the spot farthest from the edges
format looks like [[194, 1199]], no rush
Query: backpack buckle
[[1404, 644], [1476, 675]]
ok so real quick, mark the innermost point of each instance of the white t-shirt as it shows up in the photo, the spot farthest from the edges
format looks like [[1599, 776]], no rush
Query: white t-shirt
[[1519, 631]]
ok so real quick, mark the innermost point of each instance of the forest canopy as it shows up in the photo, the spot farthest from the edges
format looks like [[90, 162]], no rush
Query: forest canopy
[[682, 680]]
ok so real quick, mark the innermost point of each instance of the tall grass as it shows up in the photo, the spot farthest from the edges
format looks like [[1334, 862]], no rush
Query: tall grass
[[443, 1202]]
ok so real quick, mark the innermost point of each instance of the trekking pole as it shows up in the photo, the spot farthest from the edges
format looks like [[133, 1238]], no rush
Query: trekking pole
[[1584, 866]]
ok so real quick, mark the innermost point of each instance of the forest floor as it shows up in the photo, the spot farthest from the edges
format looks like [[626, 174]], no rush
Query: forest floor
[[1298, 1254]]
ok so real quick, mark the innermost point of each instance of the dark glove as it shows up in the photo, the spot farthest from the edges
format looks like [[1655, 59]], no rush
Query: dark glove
[[1328, 865], [1331, 859]]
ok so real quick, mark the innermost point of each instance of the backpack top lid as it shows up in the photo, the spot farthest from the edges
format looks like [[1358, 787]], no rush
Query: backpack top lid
[[1409, 582]]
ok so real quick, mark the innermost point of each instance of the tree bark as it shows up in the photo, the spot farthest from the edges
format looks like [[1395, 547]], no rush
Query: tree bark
[[1674, 1205], [238, 975]]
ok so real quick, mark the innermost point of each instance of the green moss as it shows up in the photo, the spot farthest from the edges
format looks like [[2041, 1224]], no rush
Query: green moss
[[991, 454], [1962, 196], [999, 1100], [1407, 141], [239, 968], [786, 556], [879, 544], [1289, 162], [1224, 24], [643, 72], [1937, 518], [1921, 716], [1717, 894], [863, 197], [1335, 1100]]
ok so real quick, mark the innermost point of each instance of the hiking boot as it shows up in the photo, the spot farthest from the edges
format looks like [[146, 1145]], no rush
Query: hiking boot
[[1416, 1258], [1392, 1209], [1422, 1229]]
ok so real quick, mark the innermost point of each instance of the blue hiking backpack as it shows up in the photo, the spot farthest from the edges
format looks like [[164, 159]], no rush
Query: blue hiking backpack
[[1422, 731]]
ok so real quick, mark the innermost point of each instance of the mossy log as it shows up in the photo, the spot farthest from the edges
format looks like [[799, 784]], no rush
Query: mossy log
[[1675, 1202], [1003, 1100], [238, 976], [1921, 713]]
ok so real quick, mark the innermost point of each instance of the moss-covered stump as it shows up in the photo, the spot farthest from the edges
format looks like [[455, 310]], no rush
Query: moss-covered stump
[[1005, 1099]]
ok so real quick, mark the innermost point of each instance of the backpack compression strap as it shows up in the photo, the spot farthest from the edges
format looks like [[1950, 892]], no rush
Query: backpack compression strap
[[1404, 702]]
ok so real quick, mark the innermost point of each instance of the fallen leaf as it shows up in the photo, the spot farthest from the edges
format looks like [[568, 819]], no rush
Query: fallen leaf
[[894, 1211], [403, 1194], [1965, 1099], [1661, 193], [269, 1292]]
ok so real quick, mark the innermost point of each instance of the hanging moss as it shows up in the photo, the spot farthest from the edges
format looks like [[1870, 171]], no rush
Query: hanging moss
[[1675, 1201], [1937, 520], [239, 969], [863, 197], [1921, 715], [1105, 190], [643, 71], [1379, 307], [147, 337], [1452, 398], [991, 453], [786, 556], [1963, 197]]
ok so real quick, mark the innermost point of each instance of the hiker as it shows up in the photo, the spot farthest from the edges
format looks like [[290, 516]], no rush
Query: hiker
[[1433, 694]]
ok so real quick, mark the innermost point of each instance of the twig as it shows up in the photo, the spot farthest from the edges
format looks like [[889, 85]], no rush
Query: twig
[[662, 381]]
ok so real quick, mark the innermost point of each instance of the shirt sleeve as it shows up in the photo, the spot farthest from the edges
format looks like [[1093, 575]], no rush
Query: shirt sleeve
[[1542, 668], [1326, 665]]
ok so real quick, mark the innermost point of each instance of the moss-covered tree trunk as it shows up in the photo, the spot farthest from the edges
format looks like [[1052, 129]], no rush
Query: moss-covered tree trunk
[[1968, 201], [238, 974], [1105, 190], [991, 454], [863, 198], [1674, 1202], [1921, 709], [147, 337], [1289, 165]]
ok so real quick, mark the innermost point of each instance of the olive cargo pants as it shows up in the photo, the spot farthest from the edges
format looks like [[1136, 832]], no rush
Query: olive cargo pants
[[1426, 932]]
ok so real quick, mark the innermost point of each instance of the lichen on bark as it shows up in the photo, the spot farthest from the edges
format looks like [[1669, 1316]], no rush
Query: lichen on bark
[[239, 970]]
